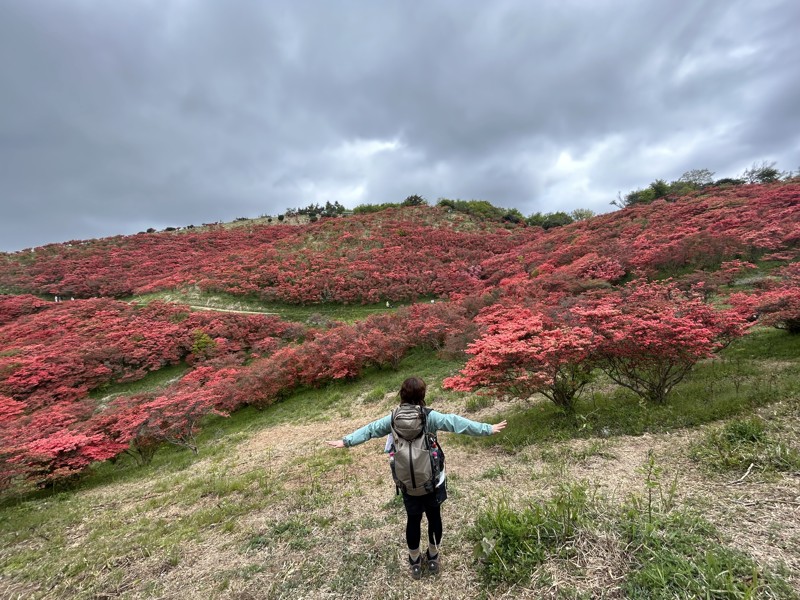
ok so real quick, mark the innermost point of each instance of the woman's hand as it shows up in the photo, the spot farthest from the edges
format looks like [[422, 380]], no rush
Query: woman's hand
[[336, 443], [498, 427]]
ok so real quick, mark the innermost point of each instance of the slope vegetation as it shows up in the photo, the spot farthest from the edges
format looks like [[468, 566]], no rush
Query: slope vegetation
[[144, 445]]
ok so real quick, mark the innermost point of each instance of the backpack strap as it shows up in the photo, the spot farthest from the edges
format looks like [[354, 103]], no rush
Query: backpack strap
[[425, 412]]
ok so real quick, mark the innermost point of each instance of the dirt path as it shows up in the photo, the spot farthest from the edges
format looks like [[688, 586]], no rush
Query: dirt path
[[231, 310]]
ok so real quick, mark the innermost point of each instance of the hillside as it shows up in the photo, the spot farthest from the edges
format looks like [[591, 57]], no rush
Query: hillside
[[647, 360], [359, 259]]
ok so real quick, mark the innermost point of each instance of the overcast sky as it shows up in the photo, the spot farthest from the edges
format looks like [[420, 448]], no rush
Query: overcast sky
[[116, 116]]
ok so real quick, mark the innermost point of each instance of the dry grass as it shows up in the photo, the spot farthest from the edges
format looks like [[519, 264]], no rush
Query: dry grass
[[329, 525]]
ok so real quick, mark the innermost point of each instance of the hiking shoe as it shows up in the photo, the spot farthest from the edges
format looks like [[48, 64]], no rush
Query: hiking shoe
[[415, 567], [432, 563]]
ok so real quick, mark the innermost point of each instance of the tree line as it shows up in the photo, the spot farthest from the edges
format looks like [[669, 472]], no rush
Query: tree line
[[699, 179]]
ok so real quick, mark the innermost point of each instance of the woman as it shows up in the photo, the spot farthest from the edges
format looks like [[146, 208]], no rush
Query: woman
[[413, 392]]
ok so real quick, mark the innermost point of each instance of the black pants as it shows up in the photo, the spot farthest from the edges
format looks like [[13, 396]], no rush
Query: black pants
[[430, 506]]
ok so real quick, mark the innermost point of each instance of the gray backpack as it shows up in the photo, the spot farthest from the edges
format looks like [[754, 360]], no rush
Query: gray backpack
[[416, 458]]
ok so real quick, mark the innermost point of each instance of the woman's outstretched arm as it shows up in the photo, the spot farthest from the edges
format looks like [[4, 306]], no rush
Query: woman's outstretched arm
[[458, 424], [375, 429]]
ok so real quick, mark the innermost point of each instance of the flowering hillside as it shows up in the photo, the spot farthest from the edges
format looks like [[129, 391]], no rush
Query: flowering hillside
[[360, 259], [640, 294]]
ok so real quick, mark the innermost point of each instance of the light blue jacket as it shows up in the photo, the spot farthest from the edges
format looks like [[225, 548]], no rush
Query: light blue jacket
[[436, 422]]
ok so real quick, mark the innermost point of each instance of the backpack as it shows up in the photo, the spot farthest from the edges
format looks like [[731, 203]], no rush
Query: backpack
[[416, 459]]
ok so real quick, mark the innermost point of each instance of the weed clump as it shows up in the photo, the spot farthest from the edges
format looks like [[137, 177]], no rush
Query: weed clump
[[511, 544], [679, 555], [744, 444]]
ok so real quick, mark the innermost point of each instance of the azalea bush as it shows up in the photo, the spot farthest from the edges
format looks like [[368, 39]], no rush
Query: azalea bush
[[359, 260], [63, 350], [652, 333], [54, 354], [54, 431], [776, 303], [522, 352]]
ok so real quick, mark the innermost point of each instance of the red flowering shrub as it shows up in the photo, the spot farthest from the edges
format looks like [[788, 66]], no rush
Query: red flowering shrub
[[653, 333], [362, 259], [776, 301], [64, 454], [64, 351], [55, 354], [780, 308], [10, 408], [523, 352], [12, 307], [702, 230]]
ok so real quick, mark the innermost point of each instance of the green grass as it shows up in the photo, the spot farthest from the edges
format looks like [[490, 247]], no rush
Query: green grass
[[511, 543], [315, 314], [748, 277], [294, 531], [42, 517], [662, 552], [219, 483], [478, 402], [376, 394], [324, 461], [336, 399], [763, 343], [680, 555], [763, 269], [152, 381], [213, 501], [494, 472], [560, 454], [743, 444]]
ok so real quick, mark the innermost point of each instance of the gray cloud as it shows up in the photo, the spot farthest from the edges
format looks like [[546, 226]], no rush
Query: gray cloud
[[116, 117]]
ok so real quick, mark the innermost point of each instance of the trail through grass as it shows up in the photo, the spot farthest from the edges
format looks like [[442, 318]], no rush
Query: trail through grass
[[289, 312]]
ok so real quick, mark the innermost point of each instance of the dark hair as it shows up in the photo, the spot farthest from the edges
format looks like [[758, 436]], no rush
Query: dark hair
[[413, 391]]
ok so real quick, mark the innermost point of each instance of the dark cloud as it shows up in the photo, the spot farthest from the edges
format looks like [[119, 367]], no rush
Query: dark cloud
[[120, 116]]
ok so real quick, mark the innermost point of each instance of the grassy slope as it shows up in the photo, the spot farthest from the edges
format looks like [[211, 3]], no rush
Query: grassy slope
[[266, 510]]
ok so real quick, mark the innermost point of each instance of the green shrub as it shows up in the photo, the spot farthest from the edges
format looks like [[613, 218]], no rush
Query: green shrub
[[678, 556], [510, 543], [477, 208], [365, 209], [203, 344], [375, 395], [478, 402], [743, 444]]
